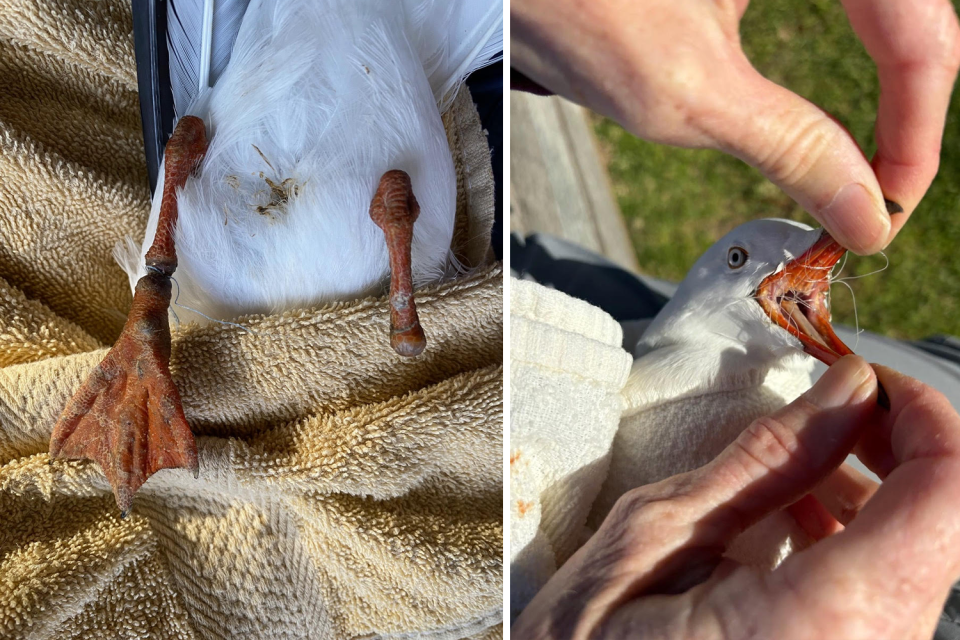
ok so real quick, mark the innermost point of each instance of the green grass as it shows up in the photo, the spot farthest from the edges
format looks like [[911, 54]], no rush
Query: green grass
[[677, 202]]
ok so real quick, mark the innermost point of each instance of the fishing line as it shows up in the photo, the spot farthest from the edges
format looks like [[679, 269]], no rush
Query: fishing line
[[884, 268], [843, 265], [853, 296], [176, 318], [200, 313], [856, 320]]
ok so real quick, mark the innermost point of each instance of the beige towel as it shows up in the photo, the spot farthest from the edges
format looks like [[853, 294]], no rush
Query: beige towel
[[344, 492]]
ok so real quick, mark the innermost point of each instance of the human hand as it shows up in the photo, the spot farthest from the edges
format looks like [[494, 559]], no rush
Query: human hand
[[673, 71], [884, 558]]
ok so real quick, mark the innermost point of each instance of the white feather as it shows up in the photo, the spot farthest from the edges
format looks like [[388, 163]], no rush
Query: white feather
[[320, 98], [454, 39]]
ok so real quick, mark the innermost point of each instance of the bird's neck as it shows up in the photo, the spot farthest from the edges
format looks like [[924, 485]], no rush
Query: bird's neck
[[670, 368]]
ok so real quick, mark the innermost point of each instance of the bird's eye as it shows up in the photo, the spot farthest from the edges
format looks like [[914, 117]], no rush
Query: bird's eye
[[736, 257]]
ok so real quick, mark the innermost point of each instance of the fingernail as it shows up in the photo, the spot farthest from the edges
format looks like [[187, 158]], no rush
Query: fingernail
[[854, 219], [842, 384]]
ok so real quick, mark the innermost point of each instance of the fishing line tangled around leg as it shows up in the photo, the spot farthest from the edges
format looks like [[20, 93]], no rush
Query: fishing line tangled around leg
[[200, 313]]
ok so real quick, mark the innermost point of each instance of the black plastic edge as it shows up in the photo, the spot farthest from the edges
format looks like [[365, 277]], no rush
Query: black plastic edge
[[153, 80]]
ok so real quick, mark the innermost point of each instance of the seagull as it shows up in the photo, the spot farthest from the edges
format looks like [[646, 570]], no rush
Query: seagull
[[736, 342], [313, 168]]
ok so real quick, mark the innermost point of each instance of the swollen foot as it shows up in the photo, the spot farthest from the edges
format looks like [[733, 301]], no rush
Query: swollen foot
[[127, 416], [394, 209]]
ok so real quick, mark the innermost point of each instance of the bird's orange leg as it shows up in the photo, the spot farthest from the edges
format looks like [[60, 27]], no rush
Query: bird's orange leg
[[394, 209], [127, 415]]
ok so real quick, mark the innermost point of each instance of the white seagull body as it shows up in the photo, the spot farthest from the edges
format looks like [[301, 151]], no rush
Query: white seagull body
[[321, 98], [710, 363], [315, 166]]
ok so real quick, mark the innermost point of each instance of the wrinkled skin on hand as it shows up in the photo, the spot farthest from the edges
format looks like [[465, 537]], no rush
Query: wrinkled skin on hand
[[885, 555], [673, 71]]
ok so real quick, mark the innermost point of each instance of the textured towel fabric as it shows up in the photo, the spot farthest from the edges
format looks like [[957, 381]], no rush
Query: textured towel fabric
[[344, 492], [566, 372]]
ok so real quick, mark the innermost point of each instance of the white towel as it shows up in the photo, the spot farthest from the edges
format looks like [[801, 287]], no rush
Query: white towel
[[566, 372]]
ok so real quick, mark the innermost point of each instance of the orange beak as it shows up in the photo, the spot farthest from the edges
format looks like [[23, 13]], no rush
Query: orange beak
[[797, 299]]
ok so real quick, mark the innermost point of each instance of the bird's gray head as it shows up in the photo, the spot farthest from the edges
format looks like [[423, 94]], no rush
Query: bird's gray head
[[720, 304]]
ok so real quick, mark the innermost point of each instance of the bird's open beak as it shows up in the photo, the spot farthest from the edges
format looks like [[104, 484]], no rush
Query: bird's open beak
[[797, 299]]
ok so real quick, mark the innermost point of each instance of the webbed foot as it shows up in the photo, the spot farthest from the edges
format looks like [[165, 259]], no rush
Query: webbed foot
[[127, 415]]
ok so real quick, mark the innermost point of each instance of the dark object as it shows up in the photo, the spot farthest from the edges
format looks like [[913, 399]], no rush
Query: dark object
[[520, 82], [153, 81], [486, 87], [941, 346], [584, 275], [892, 207], [882, 398], [949, 626]]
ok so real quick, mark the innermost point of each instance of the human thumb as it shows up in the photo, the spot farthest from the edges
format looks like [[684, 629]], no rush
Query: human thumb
[[806, 153], [781, 457]]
